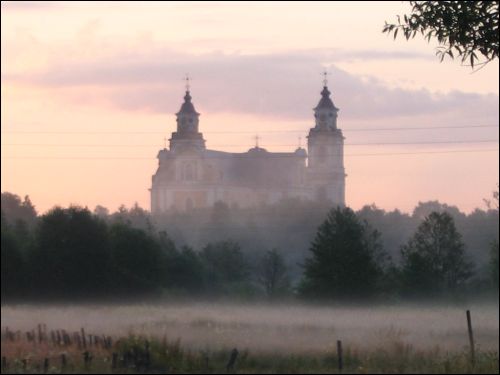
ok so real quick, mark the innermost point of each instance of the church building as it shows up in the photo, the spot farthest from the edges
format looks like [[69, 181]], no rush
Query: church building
[[191, 176]]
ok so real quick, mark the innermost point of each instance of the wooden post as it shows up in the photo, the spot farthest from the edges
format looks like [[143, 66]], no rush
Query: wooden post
[[339, 355], [207, 363], [87, 359], [114, 361], [4, 364], [65, 338], [45, 365], [84, 341], [63, 362], [40, 334], [232, 360], [471, 339], [147, 355]]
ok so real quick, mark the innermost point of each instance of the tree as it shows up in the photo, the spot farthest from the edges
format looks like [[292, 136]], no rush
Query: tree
[[494, 264], [347, 259], [467, 29], [101, 212], [434, 258], [225, 264], [137, 258], [136, 217], [71, 254], [424, 209], [273, 274], [16, 209], [185, 271], [493, 204], [394, 227], [12, 264]]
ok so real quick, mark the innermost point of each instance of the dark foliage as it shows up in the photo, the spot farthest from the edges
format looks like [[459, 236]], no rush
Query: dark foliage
[[17, 210], [434, 259], [346, 261], [137, 260], [494, 264], [467, 29], [71, 254], [273, 274], [74, 254], [12, 263]]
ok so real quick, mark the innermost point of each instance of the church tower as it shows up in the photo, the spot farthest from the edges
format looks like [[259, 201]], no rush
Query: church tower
[[187, 136], [326, 152]]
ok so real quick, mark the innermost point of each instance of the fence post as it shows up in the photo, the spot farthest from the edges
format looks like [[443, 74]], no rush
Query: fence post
[[339, 355], [87, 358], [84, 341], [147, 355], [63, 362], [114, 360], [232, 360], [40, 334], [471, 339]]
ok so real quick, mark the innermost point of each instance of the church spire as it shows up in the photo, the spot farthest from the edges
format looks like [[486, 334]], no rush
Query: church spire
[[325, 112], [187, 107], [187, 134], [325, 101], [187, 117]]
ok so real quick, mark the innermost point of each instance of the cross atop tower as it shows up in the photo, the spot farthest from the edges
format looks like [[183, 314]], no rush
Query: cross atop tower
[[187, 79], [325, 78], [256, 140]]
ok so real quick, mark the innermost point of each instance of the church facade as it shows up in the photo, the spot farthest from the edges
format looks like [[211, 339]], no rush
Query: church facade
[[191, 176]]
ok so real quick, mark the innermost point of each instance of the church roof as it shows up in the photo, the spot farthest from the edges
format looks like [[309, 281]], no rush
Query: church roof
[[187, 107], [257, 167], [300, 152], [325, 101]]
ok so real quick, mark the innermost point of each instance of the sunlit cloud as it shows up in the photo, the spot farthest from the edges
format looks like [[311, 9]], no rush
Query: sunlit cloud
[[274, 85]]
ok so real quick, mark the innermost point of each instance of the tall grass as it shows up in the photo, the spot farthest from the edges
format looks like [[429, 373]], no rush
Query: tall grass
[[141, 354]]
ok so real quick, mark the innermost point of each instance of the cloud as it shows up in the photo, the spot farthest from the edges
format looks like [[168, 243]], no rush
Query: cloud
[[283, 85]]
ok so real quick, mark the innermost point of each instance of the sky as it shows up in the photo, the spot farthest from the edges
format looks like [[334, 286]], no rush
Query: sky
[[89, 92]]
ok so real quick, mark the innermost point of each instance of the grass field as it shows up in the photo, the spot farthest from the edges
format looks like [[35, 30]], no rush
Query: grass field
[[198, 337]]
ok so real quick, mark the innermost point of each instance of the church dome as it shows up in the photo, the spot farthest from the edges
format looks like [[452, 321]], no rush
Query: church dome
[[301, 152], [187, 107], [325, 101], [257, 151]]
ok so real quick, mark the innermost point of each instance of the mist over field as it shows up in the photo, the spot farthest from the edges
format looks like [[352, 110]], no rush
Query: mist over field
[[285, 328]]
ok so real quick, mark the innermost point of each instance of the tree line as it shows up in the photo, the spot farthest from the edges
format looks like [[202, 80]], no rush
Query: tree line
[[73, 253]]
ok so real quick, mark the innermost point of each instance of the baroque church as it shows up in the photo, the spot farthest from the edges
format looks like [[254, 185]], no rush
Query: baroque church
[[191, 176]]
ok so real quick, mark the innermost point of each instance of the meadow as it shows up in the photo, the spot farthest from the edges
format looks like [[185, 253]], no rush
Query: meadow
[[290, 338]]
